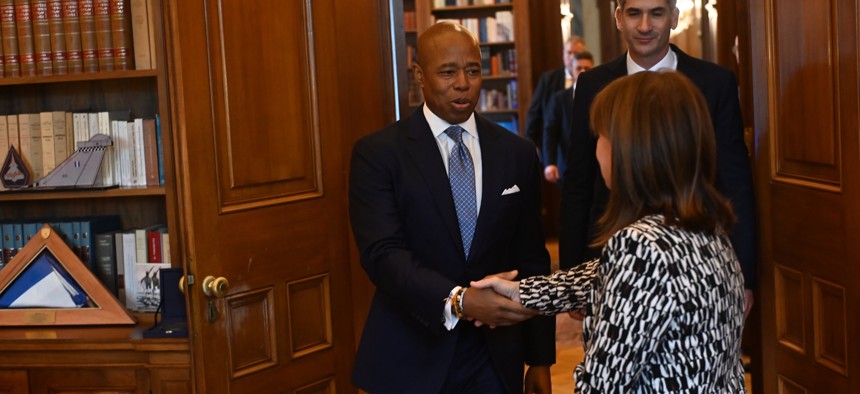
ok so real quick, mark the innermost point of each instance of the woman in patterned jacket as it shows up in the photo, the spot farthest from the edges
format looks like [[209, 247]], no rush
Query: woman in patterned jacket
[[664, 303]]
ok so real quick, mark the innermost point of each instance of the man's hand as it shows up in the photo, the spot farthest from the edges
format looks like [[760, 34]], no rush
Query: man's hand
[[538, 380], [550, 172], [487, 307]]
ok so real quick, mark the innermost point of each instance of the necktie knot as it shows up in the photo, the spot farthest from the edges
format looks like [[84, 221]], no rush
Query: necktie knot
[[455, 133]]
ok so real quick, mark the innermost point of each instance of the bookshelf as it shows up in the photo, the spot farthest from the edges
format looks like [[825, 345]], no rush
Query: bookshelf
[[36, 357], [502, 28]]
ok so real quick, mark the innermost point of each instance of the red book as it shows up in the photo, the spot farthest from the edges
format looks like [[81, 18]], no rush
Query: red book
[[153, 246]]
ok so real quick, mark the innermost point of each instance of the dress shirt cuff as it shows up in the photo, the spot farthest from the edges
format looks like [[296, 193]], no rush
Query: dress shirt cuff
[[449, 319]]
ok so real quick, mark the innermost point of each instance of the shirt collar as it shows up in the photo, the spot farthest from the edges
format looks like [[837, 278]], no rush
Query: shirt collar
[[438, 125], [670, 61]]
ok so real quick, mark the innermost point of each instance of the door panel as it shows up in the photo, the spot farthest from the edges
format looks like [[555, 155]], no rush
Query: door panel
[[805, 84], [257, 96]]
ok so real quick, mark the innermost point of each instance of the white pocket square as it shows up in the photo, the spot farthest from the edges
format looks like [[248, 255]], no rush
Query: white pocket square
[[511, 190]]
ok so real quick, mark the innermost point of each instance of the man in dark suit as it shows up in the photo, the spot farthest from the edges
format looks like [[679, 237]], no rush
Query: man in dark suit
[[420, 253], [645, 26], [556, 130], [550, 83]]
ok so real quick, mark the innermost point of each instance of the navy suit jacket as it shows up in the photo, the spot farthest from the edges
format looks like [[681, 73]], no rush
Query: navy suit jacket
[[556, 132], [405, 225], [584, 193], [548, 84]]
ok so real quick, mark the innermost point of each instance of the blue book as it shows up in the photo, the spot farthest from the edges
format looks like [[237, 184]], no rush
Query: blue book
[[18, 237], [160, 149], [8, 241], [30, 230]]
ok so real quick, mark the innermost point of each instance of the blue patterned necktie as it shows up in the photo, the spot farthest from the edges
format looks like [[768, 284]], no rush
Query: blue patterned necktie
[[461, 173]]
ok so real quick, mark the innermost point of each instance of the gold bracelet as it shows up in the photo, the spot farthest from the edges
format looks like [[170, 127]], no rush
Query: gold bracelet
[[457, 302]]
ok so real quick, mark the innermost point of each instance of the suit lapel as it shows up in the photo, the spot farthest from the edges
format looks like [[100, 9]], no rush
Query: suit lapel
[[491, 154], [424, 151]]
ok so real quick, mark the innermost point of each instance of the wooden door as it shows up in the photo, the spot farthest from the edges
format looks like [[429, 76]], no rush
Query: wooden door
[[805, 86], [264, 100]]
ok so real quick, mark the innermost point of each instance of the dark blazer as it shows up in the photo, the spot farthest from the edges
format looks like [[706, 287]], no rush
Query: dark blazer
[[556, 131], [549, 83], [584, 193], [405, 225]]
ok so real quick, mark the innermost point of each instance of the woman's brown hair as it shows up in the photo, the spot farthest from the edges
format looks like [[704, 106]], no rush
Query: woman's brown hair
[[663, 154]]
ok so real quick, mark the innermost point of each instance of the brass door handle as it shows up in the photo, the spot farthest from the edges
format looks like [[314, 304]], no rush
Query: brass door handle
[[215, 287], [182, 284]]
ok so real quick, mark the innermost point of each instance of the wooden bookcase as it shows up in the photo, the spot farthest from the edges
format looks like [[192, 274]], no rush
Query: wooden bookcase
[[87, 358], [511, 83]]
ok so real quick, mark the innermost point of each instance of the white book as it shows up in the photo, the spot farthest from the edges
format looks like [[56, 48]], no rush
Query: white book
[[109, 160], [129, 253], [81, 128], [12, 126], [139, 153], [165, 248], [46, 122]]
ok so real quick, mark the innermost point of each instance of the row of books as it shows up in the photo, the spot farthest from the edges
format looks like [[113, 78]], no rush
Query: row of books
[[500, 99], [44, 140], [498, 28], [56, 37], [461, 3], [76, 232], [502, 62], [128, 263]]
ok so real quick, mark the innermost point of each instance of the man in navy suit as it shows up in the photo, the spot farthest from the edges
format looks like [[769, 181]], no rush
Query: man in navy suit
[[645, 26], [556, 130], [405, 220], [550, 83]]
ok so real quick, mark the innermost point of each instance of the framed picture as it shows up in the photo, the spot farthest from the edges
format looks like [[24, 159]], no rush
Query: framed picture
[[46, 284]]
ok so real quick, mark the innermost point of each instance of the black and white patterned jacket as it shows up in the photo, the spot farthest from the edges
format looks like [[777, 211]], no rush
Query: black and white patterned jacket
[[663, 312]]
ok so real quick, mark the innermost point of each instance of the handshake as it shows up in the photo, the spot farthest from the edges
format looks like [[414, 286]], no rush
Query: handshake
[[495, 301]]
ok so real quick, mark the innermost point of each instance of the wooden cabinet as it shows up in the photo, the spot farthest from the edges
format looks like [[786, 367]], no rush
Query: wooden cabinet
[[502, 27], [102, 359], [105, 359]]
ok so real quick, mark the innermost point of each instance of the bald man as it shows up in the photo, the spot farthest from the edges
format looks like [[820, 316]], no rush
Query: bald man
[[422, 243]]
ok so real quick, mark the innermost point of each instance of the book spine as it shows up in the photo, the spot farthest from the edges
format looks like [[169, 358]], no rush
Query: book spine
[[58, 39], [72, 36], [89, 44], [150, 148], [121, 35], [105, 263], [104, 38], [140, 34], [61, 144], [41, 37], [47, 140], [11, 62], [26, 49], [153, 247]]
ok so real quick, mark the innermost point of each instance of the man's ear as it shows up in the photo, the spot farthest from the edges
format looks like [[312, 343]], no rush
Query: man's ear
[[418, 73], [675, 16], [618, 18]]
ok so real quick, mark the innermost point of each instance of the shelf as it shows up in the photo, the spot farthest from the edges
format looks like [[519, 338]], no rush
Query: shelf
[[499, 77], [32, 194], [497, 44], [96, 76], [481, 7], [499, 112]]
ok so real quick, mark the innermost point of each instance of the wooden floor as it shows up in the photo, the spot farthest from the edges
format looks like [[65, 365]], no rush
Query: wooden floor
[[568, 341]]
